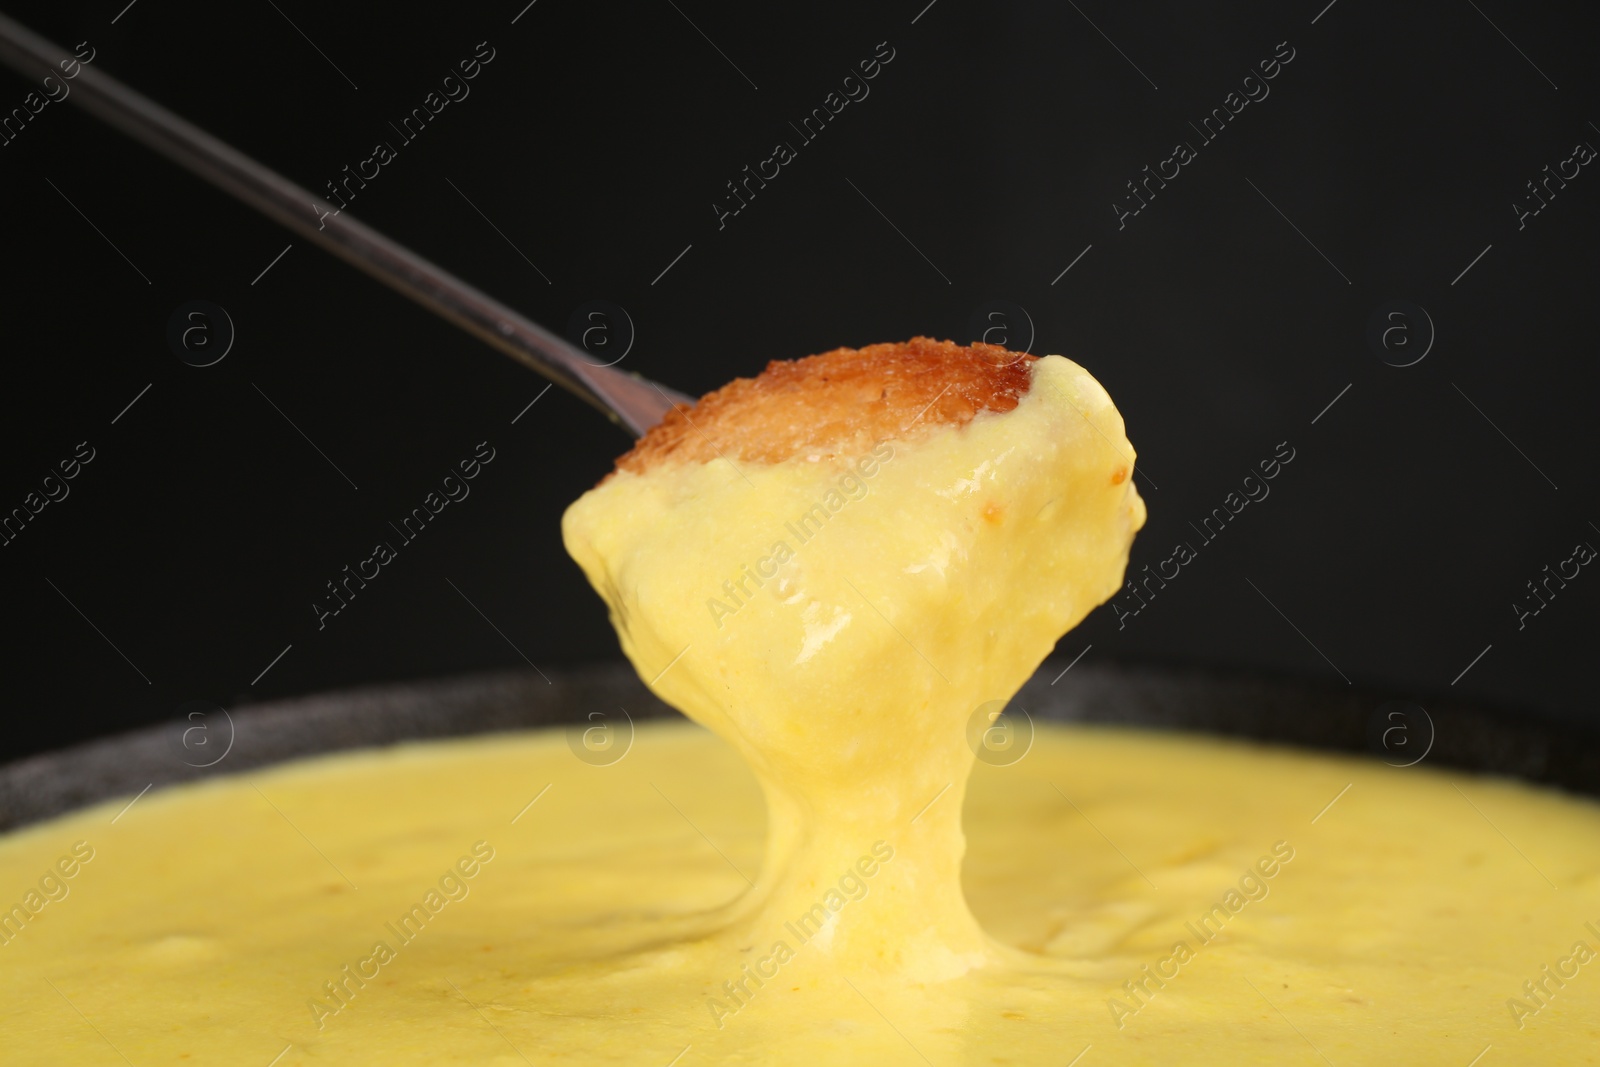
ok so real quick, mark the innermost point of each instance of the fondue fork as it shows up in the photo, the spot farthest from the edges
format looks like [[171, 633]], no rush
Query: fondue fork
[[634, 402]]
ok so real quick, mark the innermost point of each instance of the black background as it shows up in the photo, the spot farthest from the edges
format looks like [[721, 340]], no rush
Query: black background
[[995, 143]]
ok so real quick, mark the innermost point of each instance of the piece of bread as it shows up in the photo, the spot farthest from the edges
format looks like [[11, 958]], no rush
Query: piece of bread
[[837, 403]]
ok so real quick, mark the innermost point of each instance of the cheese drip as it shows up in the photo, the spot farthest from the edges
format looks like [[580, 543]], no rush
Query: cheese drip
[[840, 619]]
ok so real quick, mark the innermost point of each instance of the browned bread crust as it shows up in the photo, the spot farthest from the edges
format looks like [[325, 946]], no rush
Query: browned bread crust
[[838, 403]]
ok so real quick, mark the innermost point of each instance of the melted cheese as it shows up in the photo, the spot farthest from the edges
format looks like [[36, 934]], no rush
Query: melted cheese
[[817, 883], [207, 929], [839, 620]]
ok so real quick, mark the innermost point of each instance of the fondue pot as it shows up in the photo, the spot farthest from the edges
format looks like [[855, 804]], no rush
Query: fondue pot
[[207, 740]]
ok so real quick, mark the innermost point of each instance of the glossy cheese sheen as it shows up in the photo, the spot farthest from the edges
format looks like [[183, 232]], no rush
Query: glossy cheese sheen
[[846, 625], [840, 620], [205, 924]]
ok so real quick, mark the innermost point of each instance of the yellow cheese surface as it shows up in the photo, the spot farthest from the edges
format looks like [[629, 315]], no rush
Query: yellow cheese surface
[[210, 922], [814, 879]]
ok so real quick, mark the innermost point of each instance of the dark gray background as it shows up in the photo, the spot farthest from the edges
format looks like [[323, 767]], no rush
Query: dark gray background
[[1224, 318]]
